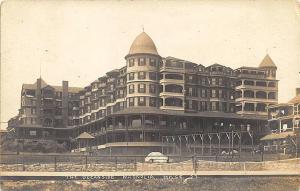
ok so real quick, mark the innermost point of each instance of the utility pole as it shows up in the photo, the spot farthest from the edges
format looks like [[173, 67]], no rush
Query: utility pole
[[297, 131]]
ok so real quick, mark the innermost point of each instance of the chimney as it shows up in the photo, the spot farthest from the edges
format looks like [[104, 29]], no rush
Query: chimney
[[65, 103]]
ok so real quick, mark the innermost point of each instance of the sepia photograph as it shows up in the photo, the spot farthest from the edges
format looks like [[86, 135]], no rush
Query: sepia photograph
[[150, 95]]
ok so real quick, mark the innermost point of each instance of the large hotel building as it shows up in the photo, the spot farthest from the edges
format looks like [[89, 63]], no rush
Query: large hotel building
[[150, 97]]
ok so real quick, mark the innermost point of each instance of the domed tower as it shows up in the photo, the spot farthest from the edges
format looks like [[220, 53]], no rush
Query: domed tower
[[268, 65], [142, 73]]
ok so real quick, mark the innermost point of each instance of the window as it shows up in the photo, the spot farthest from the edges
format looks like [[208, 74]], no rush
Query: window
[[194, 105], [33, 110], [142, 61], [203, 106], [152, 62], [221, 94], [121, 93], [152, 75], [131, 76], [221, 82], [174, 76], [131, 88], [152, 89], [32, 102], [191, 79], [213, 81], [142, 88], [214, 106], [32, 133], [131, 62], [203, 81], [142, 75], [213, 93], [142, 101], [152, 102], [189, 91], [174, 64], [192, 92], [121, 81], [203, 93], [190, 104], [111, 88], [131, 101]]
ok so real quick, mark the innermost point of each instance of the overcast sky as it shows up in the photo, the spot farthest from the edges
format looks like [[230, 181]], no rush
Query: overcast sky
[[80, 41]]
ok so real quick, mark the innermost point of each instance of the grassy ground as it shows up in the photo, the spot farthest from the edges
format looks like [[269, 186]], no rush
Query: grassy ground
[[203, 183]]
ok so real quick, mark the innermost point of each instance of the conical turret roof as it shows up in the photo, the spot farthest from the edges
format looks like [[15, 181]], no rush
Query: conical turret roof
[[267, 62]]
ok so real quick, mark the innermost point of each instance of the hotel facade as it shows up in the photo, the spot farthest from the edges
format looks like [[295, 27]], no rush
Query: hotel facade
[[151, 97]]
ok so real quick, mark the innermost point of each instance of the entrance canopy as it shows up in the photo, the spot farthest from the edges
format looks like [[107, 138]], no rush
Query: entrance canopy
[[85, 135]]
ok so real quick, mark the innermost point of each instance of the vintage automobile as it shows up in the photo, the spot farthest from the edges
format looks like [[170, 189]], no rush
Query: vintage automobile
[[156, 157]]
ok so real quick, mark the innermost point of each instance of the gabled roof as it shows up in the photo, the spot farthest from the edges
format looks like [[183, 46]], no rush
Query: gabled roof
[[44, 84], [267, 62], [85, 135], [70, 89], [296, 99], [33, 86]]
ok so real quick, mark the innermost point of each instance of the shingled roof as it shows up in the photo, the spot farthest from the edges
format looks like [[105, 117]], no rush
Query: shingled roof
[[267, 62], [57, 88], [295, 99]]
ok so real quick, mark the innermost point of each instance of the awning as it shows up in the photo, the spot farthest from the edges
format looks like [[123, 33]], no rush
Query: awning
[[275, 136], [85, 135]]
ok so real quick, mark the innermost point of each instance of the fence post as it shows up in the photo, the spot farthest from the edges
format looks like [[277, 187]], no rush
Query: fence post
[[23, 162], [195, 158], [55, 164], [116, 160], [86, 163]]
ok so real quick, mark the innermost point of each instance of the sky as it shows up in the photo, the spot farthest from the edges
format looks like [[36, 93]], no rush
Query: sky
[[80, 41]]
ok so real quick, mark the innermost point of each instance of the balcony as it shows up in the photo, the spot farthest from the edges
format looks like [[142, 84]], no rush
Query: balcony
[[254, 76], [102, 85], [267, 88]]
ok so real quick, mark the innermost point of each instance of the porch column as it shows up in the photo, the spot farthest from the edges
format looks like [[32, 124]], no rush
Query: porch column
[[126, 126], [143, 124], [113, 129], [106, 136]]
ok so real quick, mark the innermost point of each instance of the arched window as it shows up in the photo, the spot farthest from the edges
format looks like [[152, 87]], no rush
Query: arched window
[[173, 88]]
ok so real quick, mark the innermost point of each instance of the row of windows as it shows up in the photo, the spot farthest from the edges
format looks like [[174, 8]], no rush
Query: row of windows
[[142, 76], [141, 88], [256, 83], [28, 121], [120, 81], [209, 106], [142, 62], [141, 101]]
